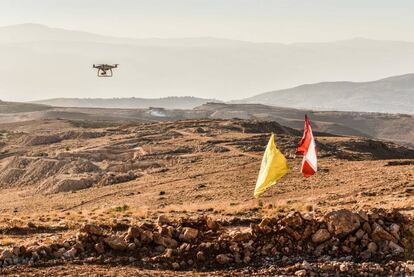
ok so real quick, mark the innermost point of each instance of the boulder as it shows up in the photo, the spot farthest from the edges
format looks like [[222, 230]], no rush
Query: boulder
[[342, 222], [200, 256], [395, 248], [212, 224], [264, 225], [395, 230], [293, 220], [188, 234], [100, 248], [224, 259], [116, 243], [146, 237], [300, 273], [379, 233], [372, 247], [167, 242], [6, 254], [238, 236], [162, 220], [92, 229], [133, 232], [70, 254], [321, 235]]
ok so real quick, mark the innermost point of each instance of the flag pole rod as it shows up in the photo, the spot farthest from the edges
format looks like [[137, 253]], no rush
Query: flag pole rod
[[313, 200]]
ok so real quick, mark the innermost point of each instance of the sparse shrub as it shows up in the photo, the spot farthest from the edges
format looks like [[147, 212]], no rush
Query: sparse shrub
[[121, 208], [308, 208]]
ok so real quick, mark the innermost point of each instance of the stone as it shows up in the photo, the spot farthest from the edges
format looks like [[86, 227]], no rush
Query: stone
[[395, 230], [131, 246], [175, 266], [92, 229], [306, 265], [372, 247], [342, 222], [78, 246], [365, 255], [16, 250], [395, 248], [366, 227], [300, 273], [379, 233], [264, 225], [100, 248], [247, 259], [239, 236], [116, 243], [188, 234], [359, 234], [6, 254], [169, 253], [307, 232], [159, 249], [212, 224], [146, 237], [133, 232], [165, 231], [293, 219], [200, 256], [59, 253], [363, 215], [162, 220], [321, 235], [167, 242], [224, 259], [70, 254]]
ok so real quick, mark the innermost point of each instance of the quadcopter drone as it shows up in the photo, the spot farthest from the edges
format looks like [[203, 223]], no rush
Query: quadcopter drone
[[105, 70]]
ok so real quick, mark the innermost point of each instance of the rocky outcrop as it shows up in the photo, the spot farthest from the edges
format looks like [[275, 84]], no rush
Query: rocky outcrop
[[204, 242]]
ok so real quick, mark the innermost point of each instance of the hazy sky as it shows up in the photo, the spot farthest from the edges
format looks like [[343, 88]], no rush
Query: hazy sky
[[254, 20]]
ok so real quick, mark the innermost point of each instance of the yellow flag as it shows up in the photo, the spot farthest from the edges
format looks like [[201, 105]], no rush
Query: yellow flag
[[274, 166]]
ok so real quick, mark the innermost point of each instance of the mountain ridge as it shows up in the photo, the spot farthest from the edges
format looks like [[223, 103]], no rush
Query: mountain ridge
[[393, 94]]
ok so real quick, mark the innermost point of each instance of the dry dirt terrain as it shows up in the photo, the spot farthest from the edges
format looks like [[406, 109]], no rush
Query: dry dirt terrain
[[176, 198]]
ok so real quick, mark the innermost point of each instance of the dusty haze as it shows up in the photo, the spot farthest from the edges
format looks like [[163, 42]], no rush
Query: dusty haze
[[39, 62]]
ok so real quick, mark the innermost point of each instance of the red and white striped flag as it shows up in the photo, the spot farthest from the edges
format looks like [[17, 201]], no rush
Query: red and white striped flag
[[307, 148]]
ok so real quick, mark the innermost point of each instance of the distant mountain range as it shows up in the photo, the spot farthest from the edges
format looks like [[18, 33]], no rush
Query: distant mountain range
[[389, 95], [185, 102], [39, 62]]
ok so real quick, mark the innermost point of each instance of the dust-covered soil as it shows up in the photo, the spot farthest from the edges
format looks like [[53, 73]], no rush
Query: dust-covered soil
[[57, 175]]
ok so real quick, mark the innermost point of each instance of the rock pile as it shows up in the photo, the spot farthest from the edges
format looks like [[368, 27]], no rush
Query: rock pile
[[204, 243]]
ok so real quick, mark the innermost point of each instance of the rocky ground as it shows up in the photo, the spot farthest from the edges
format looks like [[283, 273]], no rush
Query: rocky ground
[[338, 243], [175, 198]]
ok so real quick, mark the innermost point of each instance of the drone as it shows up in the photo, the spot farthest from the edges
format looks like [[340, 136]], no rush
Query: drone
[[105, 70]]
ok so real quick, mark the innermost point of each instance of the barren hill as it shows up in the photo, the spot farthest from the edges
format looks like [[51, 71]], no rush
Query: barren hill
[[394, 127], [398, 128], [389, 95]]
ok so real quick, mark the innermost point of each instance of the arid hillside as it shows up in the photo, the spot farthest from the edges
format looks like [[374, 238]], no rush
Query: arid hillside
[[398, 128], [189, 177]]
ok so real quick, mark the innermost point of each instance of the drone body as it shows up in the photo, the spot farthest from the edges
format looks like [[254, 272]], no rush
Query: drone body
[[105, 70]]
